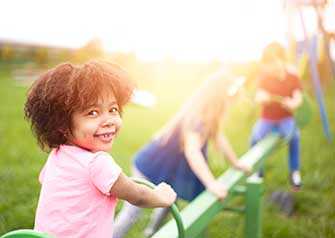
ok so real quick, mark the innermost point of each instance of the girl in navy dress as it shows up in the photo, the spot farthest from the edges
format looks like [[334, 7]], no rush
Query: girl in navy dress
[[177, 154]]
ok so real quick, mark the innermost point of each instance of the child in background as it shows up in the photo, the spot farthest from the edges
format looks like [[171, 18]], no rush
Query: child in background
[[279, 93], [75, 111], [178, 153]]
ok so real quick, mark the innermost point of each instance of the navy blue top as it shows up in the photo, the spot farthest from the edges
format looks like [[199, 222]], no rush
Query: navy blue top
[[167, 163]]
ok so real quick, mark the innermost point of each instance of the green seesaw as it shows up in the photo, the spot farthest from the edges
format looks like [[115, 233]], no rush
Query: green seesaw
[[194, 219], [200, 212]]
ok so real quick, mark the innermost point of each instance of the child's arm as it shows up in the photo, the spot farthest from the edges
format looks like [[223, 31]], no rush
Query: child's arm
[[222, 144], [197, 162], [292, 103], [140, 195]]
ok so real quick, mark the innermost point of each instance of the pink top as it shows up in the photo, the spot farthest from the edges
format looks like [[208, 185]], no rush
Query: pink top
[[74, 199]]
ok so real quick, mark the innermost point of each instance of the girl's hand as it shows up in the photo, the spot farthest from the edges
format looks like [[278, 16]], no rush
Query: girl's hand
[[166, 193], [262, 96], [247, 169], [292, 103], [218, 189], [288, 103]]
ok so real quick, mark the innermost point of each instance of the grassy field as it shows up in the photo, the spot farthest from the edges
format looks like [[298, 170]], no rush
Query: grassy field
[[314, 212]]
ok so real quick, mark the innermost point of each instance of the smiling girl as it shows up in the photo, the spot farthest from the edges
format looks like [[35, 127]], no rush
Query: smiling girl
[[75, 112]]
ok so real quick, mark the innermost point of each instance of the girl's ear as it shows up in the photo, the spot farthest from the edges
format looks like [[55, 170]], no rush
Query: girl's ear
[[66, 133], [62, 131]]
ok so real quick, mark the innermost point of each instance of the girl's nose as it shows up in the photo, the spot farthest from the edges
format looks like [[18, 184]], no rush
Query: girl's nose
[[111, 121], [108, 121]]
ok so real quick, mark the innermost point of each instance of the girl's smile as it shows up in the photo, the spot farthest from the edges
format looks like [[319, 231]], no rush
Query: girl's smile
[[96, 127], [106, 137]]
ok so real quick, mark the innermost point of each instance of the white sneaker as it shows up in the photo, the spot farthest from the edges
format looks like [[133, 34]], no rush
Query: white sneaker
[[295, 179]]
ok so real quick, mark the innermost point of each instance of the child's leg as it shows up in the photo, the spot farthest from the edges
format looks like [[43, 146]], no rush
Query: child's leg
[[295, 177], [125, 219], [294, 151], [157, 218], [288, 129], [260, 130]]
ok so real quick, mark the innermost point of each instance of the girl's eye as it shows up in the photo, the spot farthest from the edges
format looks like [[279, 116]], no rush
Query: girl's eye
[[114, 109], [93, 113]]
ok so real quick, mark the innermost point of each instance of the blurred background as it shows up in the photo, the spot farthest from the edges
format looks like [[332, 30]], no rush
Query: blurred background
[[169, 48]]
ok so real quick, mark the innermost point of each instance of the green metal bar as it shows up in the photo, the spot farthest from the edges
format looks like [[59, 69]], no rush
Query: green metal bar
[[174, 209], [203, 234], [253, 228], [235, 209], [25, 233], [239, 190], [200, 212]]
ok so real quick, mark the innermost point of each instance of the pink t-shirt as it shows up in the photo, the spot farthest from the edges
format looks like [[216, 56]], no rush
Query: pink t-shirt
[[74, 199]]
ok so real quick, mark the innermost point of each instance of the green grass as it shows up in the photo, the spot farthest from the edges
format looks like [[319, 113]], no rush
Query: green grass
[[314, 216]]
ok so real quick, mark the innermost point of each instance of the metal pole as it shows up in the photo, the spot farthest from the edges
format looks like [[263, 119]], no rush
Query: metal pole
[[253, 220], [312, 59]]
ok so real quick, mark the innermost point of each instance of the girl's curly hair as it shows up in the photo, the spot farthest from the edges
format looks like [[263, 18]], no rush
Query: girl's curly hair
[[67, 88]]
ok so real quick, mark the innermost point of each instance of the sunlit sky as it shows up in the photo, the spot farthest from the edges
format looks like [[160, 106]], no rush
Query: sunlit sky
[[153, 29]]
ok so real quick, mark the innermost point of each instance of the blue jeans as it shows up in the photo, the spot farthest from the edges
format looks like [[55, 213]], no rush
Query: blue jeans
[[286, 129]]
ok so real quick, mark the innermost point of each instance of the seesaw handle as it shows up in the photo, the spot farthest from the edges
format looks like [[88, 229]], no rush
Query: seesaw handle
[[173, 208]]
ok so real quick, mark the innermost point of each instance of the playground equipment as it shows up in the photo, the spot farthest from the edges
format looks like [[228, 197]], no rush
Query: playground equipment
[[193, 220], [25, 233], [200, 212], [310, 45], [174, 209], [303, 113]]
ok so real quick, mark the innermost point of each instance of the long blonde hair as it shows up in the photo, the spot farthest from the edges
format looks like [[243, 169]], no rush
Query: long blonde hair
[[206, 106]]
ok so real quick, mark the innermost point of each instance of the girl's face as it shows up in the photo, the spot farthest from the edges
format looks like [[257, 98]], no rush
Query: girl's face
[[276, 68], [96, 127]]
